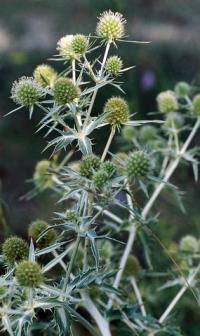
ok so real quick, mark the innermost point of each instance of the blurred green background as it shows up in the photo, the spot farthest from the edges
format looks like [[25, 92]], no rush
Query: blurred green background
[[29, 30]]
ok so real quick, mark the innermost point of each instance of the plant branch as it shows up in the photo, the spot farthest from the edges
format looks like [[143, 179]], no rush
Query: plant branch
[[112, 133]]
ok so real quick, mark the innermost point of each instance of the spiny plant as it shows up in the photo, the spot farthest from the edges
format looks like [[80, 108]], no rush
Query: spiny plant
[[78, 268]]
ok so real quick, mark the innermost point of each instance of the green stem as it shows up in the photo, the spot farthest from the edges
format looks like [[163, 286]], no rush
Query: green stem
[[71, 263], [112, 133]]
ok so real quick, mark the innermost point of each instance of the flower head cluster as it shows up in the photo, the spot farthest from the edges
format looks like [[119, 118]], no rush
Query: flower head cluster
[[189, 244], [35, 231], [113, 65], [89, 165], [167, 102], [65, 91], [72, 46], [45, 75], [29, 274], [182, 89], [111, 26], [118, 111], [15, 249], [138, 164], [26, 91]]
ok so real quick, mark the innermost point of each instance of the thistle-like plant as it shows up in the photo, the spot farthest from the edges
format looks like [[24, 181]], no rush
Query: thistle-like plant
[[83, 261]]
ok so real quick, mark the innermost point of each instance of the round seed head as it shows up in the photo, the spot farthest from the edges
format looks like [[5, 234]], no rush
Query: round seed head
[[89, 165], [110, 26], [100, 178], [118, 111], [189, 244], [65, 91], [196, 105], [138, 164], [129, 132], [26, 91], [29, 274], [64, 47], [133, 267], [182, 89], [147, 133], [174, 119], [114, 65], [110, 168], [45, 75], [42, 178], [167, 102], [35, 231], [80, 44], [15, 249]]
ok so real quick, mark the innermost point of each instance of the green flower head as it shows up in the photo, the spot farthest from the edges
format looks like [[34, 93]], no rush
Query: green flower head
[[65, 91], [113, 65], [15, 249], [118, 111], [167, 102], [26, 91], [29, 274], [37, 228], [45, 75], [138, 164], [110, 26]]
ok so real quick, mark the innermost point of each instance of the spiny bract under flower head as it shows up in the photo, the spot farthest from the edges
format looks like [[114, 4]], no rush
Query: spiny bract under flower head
[[37, 228], [89, 165], [65, 91], [100, 178], [15, 249], [196, 104], [64, 47], [118, 111], [182, 89], [42, 177], [111, 26], [167, 102], [189, 244], [29, 274], [71, 216], [138, 164], [79, 44], [113, 65], [45, 75], [26, 91]]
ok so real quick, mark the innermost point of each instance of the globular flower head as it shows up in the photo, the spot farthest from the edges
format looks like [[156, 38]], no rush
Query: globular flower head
[[111, 26], [45, 75], [100, 178], [26, 91], [110, 168], [65, 91], [114, 65], [182, 89], [64, 47], [133, 267], [35, 231], [80, 44], [118, 111], [71, 216], [138, 164], [42, 178], [189, 244], [89, 165], [129, 133], [174, 119], [106, 249], [29, 274], [147, 133], [167, 102], [196, 105], [15, 249]]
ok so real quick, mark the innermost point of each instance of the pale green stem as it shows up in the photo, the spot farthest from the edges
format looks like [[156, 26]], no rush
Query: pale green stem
[[112, 133], [96, 90], [138, 296], [74, 71], [71, 263]]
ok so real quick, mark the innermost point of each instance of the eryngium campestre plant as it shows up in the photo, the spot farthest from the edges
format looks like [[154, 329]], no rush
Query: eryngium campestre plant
[[104, 200]]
